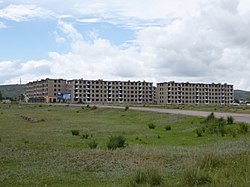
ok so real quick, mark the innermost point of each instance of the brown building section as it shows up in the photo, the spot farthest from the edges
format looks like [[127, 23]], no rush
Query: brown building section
[[45, 90], [115, 92], [193, 93]]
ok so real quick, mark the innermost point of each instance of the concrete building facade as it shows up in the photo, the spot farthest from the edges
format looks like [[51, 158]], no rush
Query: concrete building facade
[[194, 93], [128, 92], [115, 92], [45, 90]]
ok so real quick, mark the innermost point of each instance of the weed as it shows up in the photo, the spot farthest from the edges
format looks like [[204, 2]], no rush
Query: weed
[[92, 144], [75, 132], [243, 128], [209, 160], [233, 132], [230, 120], [199, 132], [151, 126], [42, 120], [126, 108], [116, 142], [146, 177], [168, 128], [25, 141], [93, 107], [196, 176], [210, 117], [85, 136]]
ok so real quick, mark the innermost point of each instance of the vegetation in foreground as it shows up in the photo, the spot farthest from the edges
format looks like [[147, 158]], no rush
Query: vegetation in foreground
[[72, 146]]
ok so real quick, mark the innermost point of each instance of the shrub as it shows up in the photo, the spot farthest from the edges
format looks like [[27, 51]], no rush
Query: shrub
[[199, 132], [233, 132], [126, 108], [75, 132], [85, 136], [151, 126], [209, 160], [196, 176], [92, 144], [210, 117], [93, 107], [168, 128], [116, 142], [243, 128], [230, 120], [147, 177]]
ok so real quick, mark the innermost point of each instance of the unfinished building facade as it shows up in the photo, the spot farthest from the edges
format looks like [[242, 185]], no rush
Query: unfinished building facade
[[194, 93]]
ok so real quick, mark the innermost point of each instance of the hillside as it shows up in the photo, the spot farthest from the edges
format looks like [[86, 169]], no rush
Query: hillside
[[242, 95], [12, 91]]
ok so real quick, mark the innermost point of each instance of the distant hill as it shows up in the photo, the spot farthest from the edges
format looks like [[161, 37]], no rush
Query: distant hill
[[242, 95], [12, 91]]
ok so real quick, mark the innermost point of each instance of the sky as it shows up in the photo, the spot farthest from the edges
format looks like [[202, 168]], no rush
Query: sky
[[153, 40]]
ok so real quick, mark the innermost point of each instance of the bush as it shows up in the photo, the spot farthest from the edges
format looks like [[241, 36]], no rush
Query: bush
[[75, 132], [147, 177], [210, 117], [209, 160], [196, 176], [233, 132], [199, 132], [85, 136], [93, 107], [230, 120], [126, 108], [243, 128], [151, 126], [116, 142], [92, 144], [168, 128]]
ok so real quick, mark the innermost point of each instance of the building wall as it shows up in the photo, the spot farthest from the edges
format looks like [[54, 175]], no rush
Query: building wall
[[129, 92], [193, 93], [45, 90], [116, 92]]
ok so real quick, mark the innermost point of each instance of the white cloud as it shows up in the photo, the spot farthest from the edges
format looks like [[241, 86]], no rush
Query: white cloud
[[200, 41], [69, 30], [24, 12]]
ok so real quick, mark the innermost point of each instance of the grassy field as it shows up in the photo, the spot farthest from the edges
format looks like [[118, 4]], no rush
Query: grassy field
[[37, 148]]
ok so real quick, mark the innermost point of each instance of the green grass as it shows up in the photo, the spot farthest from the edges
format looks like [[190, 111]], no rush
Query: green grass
[[45, 152]]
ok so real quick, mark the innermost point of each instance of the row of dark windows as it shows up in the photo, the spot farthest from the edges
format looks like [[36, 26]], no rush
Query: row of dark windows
[[179, 97], [124, 96], [113, 100], [117, 91], [194, 102]]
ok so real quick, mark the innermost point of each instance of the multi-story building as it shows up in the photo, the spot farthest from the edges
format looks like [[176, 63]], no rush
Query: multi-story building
[[45, 90], [115, 92], [194, 93]]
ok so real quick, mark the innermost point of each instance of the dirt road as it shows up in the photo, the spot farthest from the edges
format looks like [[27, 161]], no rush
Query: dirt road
[[237, 116]]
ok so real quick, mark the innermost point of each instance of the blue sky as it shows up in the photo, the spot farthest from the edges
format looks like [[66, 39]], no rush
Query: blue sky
[[156, 40]]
